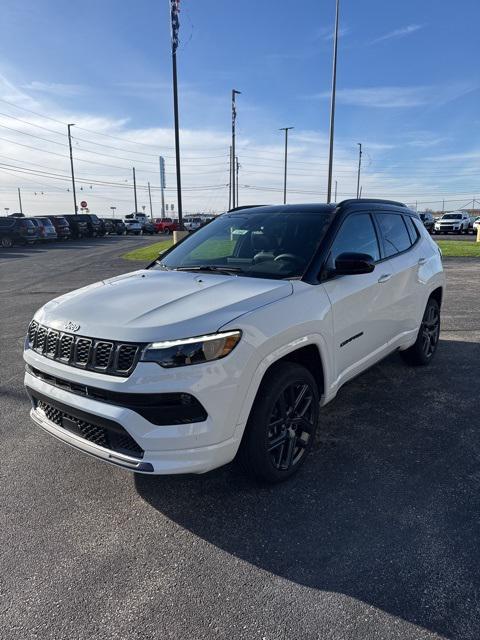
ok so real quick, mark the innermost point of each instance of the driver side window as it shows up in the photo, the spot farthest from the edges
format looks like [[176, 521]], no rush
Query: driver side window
[[357, 234]]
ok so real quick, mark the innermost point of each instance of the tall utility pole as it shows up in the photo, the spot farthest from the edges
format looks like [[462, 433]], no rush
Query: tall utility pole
[[336, 186], [332, 103], [69, 126], [237, 167], [359, 168], [21, 210], [135, 188], [162, 183], [286, 129], [175, 25], [230, 181], [150, 200], [234, 118]]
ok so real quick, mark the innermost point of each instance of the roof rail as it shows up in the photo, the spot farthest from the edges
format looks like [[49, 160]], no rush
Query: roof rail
[[372, 201]]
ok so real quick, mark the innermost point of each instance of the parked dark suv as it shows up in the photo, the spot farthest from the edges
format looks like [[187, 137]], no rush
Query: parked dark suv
[[17, 231], [78, 225], [61, 227], [428, 220], [95, 225], [118, 225]]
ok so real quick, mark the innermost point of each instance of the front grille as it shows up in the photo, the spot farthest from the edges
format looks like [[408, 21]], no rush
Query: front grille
[[51, 344], [82, 351], [114, 437], [126, 356], [65, 350], [102, 355], [114, 358]]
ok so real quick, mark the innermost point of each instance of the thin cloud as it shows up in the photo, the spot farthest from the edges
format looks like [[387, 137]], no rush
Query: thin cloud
[[398, 97], [55, 88], [399, 33]]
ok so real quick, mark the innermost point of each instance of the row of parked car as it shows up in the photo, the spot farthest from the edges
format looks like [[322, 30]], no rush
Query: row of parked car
[[19, 229], [453, 222]]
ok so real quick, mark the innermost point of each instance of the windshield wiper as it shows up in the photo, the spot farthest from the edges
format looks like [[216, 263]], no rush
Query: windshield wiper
[[213, 268]]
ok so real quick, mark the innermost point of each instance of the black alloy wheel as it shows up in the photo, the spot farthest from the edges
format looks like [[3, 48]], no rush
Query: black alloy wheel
[[282, 424], [425, 347], [430, 330], [290, 426]]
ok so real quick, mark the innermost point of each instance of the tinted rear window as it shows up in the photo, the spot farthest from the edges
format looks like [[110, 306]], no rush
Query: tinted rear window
[[395, 234]]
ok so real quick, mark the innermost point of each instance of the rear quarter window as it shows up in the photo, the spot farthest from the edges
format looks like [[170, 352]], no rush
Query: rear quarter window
[[412, 229]]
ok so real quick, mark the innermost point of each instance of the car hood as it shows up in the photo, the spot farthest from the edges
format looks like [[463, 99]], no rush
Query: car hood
[[150, 305]]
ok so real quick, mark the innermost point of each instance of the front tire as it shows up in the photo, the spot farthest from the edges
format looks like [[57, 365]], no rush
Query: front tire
[[425, 347], [282, 423], [7, 242]]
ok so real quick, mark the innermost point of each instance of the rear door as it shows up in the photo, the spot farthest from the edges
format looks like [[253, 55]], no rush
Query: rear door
[[402, 247], [360, 304]]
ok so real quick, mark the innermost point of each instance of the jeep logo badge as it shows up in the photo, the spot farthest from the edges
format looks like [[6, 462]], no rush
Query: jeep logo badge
[[71, 326]]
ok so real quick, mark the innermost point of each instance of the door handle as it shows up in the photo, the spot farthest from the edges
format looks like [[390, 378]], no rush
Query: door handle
[[422, 261], [384, 277]]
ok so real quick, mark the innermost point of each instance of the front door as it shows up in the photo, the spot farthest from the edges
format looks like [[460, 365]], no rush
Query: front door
[[360, 303]]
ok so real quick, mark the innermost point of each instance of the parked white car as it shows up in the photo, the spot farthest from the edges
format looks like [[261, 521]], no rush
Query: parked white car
[[192, 224], [455, 222], [476, 224], [230, 343]]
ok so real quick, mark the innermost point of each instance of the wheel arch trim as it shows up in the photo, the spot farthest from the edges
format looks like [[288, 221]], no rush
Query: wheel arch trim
[[274, 357]]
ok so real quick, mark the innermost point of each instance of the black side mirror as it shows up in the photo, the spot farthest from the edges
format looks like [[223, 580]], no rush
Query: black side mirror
[[348, 264]]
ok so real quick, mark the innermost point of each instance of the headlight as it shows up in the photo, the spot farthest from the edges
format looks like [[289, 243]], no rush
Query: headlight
[[180, 353]]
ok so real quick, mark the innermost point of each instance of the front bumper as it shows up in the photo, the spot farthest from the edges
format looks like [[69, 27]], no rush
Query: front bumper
[[196, 447]]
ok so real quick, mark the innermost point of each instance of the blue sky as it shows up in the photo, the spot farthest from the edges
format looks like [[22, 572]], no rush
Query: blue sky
[[408, 89]]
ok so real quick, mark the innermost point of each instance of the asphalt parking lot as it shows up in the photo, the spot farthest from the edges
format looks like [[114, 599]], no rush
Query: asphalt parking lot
[[377, 538]]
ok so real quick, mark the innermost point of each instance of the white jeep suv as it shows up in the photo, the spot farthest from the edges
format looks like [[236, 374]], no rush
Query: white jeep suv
[[231, 341]]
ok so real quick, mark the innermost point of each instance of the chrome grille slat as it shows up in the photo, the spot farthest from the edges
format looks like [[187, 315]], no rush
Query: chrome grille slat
[[113, 358]]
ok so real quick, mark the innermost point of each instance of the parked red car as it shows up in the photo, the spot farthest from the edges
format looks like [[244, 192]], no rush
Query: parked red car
[[165, 225]]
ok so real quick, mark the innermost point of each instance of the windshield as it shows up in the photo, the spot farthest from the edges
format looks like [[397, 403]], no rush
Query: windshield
[[452, 216], [257, 244]]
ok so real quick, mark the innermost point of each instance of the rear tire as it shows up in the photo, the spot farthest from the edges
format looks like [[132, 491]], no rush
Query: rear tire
[[425, 347], [282, 423]]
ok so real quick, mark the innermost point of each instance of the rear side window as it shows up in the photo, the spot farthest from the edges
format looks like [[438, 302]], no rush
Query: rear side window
[[394, 232], [356, 234], [412, 229]]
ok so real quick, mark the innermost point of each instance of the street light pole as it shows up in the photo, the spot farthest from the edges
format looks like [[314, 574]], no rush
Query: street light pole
[[359, 168], [135, 188], [332, 103], [234, 117], [69, 126], [113, 210], [175, 25], [237, 167], [286, 129], [230, 181], [150, 199], [21, 210]]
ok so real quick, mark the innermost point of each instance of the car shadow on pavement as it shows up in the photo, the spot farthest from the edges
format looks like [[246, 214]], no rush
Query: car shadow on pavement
[[384, 511]]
